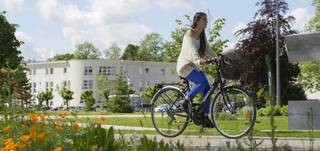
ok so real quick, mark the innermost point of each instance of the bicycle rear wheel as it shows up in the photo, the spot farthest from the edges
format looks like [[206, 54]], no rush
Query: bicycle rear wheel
[[168, 117], [233, 113]]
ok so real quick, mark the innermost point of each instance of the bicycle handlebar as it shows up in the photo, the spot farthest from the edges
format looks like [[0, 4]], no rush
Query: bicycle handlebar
[[211, 61]]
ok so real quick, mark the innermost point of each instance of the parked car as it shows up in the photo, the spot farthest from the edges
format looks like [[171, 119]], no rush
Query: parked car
[[164, 108]]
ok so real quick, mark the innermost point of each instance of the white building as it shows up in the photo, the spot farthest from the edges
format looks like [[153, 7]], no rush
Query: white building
[[80, 75]]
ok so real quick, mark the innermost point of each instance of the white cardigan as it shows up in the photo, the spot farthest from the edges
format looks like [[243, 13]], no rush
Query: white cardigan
[[189, 58]]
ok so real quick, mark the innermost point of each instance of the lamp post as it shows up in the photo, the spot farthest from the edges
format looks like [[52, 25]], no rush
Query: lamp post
[[277, 53]]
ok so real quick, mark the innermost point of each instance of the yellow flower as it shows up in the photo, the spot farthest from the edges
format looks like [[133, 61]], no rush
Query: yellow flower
[[58, 148], [25, 138], [7, 129]]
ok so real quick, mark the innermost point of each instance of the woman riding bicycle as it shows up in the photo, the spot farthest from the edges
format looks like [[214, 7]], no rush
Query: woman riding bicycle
[[191, 58]]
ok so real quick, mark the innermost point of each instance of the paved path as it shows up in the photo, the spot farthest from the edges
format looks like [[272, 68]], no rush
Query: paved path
[[214, 142]]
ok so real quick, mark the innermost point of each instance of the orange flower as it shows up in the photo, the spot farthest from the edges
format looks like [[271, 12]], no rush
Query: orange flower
[[75, 126], [58, 148], [21, 146], [98, 122], [9, 145], [24, 138], [40, 136], [33, 132], [8, 141], [178, 125], [7, 129], [247, 114], [42, 116], [33, 117], [103, 118], [63, 115], [59, 128]]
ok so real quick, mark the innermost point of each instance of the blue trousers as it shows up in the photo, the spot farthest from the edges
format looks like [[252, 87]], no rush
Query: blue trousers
[[201, 85]]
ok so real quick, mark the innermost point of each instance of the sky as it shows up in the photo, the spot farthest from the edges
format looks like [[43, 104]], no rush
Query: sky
[[50, 27]]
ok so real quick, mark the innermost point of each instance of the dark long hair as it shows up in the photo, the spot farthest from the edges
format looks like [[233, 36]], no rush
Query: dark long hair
[[196, 18]]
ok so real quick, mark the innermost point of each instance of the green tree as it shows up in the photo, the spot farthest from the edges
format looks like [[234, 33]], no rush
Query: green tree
[[103, 86], [130, 52], [314, 23], [60, 57], [258, 41], [88, 98], [10, 56], [44, 96], [148, 93], [309, 77], [121, 102], [86, 50], [113, 52], [172, 48], [66, 94], [151, 48], [14, 88]]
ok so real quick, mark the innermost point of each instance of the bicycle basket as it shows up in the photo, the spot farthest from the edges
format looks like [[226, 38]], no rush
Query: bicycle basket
[[231, 70]]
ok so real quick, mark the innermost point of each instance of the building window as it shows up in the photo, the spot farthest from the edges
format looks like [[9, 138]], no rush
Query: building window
[[163, 72], [87, 84], [34, 87], [51, 86], [147, 70], [47, 86], [34, 71], [88, 70], [103, 70], [111, 70], [47, 71], [51, 70], [64, 70]]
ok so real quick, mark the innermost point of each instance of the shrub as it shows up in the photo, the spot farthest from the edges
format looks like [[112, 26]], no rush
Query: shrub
[[284, 110]]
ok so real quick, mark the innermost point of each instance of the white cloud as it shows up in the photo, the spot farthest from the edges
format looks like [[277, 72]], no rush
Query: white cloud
[[42, 52], [100, 23], [23, 37], [302, 17], [175, 4], [12, 4], [238, 26]]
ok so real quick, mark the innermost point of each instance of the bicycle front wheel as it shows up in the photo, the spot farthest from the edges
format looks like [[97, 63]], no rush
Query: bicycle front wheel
[[233, 112], [168, 117]]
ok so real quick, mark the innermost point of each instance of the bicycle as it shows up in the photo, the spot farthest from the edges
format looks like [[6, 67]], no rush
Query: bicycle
[[232, 110]]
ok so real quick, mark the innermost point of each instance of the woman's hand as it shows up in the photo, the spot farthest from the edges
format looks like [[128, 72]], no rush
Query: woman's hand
[[202, 61]]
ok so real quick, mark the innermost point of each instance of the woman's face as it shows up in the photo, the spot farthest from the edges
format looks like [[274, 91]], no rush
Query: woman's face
[[202, 22]]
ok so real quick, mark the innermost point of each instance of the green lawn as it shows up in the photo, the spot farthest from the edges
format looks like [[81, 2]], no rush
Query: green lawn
[[262, 124]]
